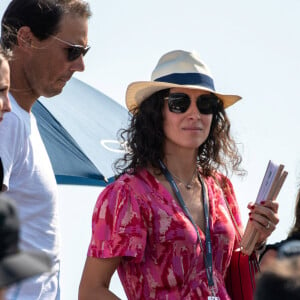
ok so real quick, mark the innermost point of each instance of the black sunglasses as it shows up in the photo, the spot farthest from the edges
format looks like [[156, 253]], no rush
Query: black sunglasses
[[73, 51], [207, 103]]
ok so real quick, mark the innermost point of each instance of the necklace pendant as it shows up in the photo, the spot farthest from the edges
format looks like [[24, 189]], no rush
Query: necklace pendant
[[188, 186]]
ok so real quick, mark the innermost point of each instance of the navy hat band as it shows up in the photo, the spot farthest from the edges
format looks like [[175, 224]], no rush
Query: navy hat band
[[188, 79]]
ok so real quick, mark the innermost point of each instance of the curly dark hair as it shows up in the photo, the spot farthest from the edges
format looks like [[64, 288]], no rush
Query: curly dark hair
[[145, 140]]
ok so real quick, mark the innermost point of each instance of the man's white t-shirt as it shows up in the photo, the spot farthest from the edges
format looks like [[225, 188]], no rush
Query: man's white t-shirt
[[30, 181]]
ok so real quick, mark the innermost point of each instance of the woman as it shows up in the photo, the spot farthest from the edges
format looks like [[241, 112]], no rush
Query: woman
[[4, 84], [164, 224]]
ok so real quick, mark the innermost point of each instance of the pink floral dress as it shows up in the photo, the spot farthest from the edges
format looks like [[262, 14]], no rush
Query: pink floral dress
[[136, 218]]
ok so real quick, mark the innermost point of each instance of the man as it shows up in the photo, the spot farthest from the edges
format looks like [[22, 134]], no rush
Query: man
[[48, 39]]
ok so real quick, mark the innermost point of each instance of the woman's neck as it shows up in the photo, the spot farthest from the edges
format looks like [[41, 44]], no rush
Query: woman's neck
[[182, 166]]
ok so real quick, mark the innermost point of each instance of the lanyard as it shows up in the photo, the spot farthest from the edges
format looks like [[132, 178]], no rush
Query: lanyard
[[208, 254]]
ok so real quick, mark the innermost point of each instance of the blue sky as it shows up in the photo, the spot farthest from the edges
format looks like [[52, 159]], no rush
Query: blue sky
[[252, 49]]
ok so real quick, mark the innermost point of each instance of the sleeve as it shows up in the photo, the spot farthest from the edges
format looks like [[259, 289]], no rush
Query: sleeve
[[11, 138], [118, 228]]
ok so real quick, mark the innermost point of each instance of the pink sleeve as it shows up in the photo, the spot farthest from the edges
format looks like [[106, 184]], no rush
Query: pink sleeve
[[117, 225]]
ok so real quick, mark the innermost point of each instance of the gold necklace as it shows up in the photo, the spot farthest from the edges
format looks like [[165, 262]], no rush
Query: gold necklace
[[188, 185]]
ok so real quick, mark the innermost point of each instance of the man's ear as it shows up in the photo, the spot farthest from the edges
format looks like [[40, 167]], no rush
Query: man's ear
[[24, 37]]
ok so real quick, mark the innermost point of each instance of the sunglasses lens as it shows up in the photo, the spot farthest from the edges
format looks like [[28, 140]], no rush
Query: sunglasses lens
[[207, 104], [178, 102], [75, 51]]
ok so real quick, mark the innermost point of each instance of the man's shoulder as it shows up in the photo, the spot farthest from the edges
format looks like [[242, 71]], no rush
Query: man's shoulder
[[12, 124], [17, 121]]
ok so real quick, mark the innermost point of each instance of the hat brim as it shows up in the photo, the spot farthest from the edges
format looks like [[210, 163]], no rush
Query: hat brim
[[22, 265], [138, 91]]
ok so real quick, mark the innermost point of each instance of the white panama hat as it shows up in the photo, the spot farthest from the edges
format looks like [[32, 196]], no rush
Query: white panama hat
[[176, 69]]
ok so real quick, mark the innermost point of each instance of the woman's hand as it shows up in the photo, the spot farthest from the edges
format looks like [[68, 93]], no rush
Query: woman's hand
[[264, 218]]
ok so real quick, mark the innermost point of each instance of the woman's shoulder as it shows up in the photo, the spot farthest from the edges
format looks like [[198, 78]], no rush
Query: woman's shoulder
[[116, 192], [223, 184], [130, 182], [221, 181], [138, 177], [221, 177], [122, 182]]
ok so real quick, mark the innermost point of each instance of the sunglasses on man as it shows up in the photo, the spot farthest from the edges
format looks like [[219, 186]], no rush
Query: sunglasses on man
[[180, 102], [73, 51]]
